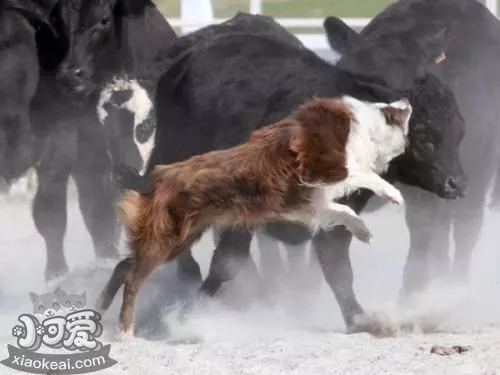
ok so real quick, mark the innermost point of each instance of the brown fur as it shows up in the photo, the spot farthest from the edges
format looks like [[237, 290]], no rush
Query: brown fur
[[246, 185]]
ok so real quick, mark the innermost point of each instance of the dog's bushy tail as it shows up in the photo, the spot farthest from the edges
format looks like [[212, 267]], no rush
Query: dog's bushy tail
[[148, 225]]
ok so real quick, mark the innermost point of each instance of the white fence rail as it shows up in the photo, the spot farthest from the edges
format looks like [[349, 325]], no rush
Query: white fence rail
[[199, 13]]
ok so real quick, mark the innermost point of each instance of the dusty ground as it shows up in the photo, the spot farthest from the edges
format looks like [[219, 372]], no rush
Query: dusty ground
[[291, 337]]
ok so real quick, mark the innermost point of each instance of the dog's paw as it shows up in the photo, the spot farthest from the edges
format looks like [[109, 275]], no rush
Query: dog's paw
[[395, 196], [359, 230], [125, 333]]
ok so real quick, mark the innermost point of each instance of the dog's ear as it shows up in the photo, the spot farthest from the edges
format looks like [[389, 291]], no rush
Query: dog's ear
[[396, 113]]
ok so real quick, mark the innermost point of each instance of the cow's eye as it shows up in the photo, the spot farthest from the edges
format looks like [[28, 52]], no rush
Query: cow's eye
[[105, 21], [423, 150], [429, 148]]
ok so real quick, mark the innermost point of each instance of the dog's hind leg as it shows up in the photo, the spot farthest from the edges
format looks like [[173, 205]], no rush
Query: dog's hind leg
[[115, 282], [134, 278]]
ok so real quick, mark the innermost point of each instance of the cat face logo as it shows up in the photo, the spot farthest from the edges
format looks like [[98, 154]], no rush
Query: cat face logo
[[59, 320], [58, 303]]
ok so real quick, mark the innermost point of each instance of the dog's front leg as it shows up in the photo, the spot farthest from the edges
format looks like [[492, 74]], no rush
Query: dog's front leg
[[340, 214], [375, 183]]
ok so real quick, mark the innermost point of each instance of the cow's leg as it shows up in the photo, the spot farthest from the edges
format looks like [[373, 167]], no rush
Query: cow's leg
[[272, 267], [230, 256], [429, 225], [438, 260], [188, 269], [468, 221], [50, 202], [297, 263], [332, 250], [96, 190], [295, 238]]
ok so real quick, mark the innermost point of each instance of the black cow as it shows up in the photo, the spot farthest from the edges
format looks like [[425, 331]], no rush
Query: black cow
[[471, 69], [129, 148], [85, 44], [19, 77], [216, 93]]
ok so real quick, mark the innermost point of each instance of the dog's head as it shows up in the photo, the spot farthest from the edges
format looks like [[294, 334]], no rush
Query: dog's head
[[392, 133], [397, 114]]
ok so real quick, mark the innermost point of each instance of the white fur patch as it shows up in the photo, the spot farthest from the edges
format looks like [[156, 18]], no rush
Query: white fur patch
[[371, 145], [145, 149], [25, 186], [139, 104]]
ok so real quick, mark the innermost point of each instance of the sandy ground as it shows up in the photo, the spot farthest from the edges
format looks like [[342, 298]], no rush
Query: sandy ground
[[298, 334]]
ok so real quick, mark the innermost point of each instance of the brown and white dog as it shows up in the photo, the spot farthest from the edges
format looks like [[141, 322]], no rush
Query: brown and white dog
[[291, 170]]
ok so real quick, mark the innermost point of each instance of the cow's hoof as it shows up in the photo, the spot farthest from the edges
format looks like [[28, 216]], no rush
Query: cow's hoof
[[106, 253], [53, 274], [376, 324]]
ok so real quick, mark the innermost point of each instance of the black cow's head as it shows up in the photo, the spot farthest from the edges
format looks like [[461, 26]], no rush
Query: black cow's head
[[399, 57], [95, 30], [431, 160], [34, 10]]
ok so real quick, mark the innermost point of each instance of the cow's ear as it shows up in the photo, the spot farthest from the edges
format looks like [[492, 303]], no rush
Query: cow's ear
[[340, 36], [37, 10], [134, 6], [436, 42]]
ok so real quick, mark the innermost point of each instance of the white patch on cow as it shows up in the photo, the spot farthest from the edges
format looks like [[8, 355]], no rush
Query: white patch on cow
[[145, 150], [139, 104], [26, 186]]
